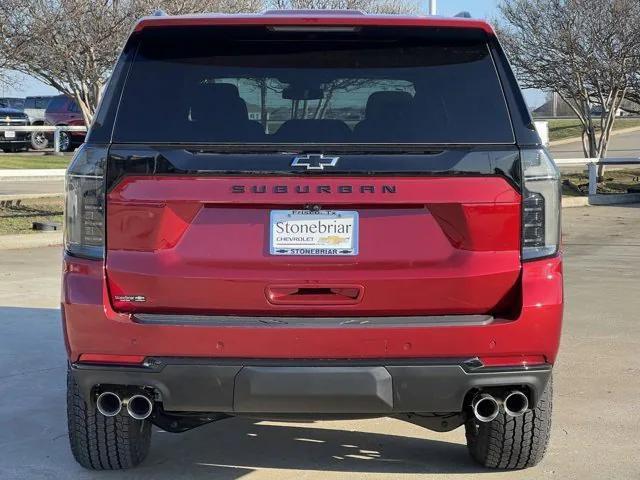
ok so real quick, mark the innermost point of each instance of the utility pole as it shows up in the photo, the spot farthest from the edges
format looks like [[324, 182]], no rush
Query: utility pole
[[432, 7]]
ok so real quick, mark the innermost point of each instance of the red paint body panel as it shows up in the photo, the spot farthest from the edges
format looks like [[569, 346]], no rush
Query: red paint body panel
[[456, 222], [311, 19], [434, 246], [92, 326]]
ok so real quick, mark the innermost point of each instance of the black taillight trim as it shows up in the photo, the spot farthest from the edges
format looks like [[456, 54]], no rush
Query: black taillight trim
[[85, 229], [540, 177]]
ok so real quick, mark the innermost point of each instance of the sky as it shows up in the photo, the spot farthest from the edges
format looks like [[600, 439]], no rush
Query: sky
[[486, 9]]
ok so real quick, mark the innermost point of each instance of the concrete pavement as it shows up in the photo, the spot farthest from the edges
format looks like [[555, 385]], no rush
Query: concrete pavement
[[597, 381], [10, 187], [621, 145]]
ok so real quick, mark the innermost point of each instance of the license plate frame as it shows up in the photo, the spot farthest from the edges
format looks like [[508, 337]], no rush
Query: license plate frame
[[310, 239]]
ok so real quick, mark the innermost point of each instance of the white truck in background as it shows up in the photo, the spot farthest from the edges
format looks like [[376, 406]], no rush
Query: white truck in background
[[35, 108]]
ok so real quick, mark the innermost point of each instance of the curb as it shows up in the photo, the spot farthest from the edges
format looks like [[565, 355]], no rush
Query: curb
[[30, 240], [31, 174], [614, 198], [564, 141], [570, 202]]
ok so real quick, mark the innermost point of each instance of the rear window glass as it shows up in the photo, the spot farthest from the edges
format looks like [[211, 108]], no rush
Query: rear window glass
[[57, 104], [254, 85]]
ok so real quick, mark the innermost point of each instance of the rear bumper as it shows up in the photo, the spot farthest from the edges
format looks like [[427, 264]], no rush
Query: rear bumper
[[21, 138], [313, 388], [91, 326]]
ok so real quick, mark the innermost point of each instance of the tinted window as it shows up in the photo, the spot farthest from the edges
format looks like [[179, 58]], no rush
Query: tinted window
[[206, 85], [43, 102], [57, 104], [17, 103]]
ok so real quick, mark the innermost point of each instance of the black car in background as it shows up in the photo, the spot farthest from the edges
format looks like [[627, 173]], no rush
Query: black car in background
[[10, 140]]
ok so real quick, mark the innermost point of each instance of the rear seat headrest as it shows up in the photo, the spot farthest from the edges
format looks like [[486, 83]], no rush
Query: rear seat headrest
[[227, 89], [218, 101], [382, 104]]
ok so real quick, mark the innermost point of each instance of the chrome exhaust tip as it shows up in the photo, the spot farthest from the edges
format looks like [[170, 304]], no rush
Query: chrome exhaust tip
[[516, 403], [139, 406], [485, 407], [109, 404]]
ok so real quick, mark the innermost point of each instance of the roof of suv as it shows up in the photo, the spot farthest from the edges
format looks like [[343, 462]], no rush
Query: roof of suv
[[313, 18]]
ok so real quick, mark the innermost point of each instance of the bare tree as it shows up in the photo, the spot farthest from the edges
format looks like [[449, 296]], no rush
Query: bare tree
[[72, 45], [633, 96], [368, 6], [585, 50], [6, 79]]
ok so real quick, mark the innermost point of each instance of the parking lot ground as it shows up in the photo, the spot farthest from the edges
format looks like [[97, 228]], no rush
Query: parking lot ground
[[621, 145], [22, 187], [597, 386]]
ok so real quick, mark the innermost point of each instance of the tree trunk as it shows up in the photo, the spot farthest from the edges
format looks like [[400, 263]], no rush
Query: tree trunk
[[616, 99], [326, 103], [86, 109], [263, 106]]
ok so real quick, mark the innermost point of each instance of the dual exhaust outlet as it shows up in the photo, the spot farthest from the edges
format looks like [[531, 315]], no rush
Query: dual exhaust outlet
[[486, 407], [138, 406]]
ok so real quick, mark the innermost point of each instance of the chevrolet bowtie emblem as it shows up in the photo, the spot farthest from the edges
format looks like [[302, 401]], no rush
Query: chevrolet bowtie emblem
[[314, 161]]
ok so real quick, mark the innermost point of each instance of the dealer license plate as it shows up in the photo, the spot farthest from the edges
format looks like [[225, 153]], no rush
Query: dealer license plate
[[305, 232]]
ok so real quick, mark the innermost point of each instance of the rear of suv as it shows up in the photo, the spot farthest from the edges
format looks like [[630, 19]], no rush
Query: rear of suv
[[328, 216]]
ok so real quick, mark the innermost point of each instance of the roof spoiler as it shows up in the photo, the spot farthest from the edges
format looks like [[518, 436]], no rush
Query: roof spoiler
[[308, 11]]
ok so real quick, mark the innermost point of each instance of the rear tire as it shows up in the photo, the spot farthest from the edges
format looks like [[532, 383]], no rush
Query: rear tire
[[512, 443], [65, 142], [104, 443], [39, 141]]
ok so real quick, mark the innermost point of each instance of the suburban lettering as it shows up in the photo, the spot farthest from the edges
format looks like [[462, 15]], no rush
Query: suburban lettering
[[303, 189]]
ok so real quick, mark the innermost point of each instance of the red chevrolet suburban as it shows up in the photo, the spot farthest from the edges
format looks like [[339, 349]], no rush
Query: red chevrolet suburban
[[328, 216]]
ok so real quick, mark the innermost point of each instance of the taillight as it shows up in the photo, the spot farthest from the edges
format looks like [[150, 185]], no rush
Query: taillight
[[540, 205], [84, 205]]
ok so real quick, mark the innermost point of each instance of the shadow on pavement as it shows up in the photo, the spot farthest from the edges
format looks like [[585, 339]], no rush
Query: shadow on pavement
[[33, 434], [232, 448]]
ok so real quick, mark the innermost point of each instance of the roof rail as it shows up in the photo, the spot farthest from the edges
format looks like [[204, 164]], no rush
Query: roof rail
[[310, 11], [463, 14]]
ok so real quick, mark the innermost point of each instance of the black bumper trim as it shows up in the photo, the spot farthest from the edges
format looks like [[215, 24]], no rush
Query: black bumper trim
[[311, 387]]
